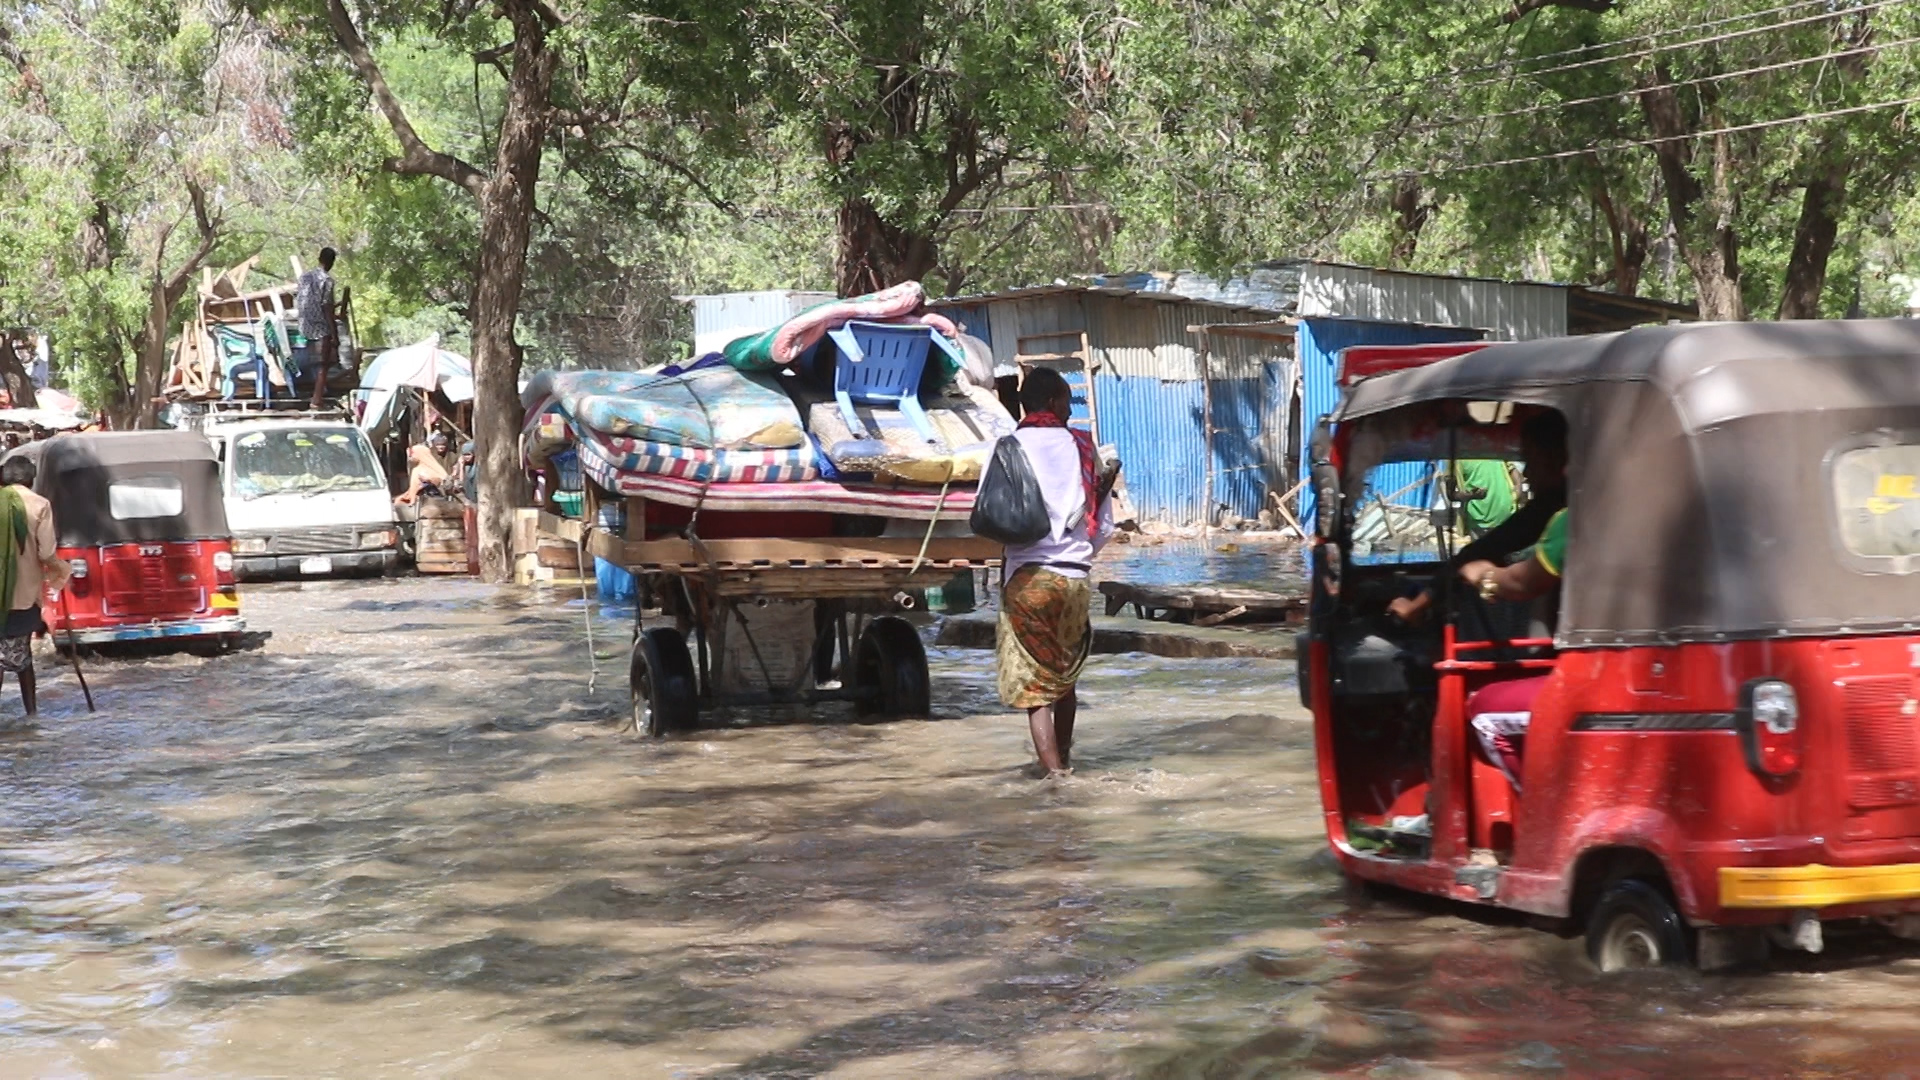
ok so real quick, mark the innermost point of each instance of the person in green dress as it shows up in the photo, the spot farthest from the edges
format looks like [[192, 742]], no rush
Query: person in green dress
[[1485, 487]]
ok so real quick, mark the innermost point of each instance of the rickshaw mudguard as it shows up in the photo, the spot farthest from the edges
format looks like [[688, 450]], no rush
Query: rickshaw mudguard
[[1640, 830]]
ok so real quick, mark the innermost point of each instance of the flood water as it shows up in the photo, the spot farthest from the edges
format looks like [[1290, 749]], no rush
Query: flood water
[[405, 839]]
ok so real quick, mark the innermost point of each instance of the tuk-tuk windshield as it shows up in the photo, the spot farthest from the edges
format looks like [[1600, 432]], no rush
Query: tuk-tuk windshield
[[301, 461], [1435, 483]]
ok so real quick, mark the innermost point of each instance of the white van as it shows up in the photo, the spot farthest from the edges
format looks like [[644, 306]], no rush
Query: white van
[[305, 497]]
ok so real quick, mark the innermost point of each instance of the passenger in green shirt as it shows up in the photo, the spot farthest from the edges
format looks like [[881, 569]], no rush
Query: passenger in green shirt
[[1487, 487], [1543, 443]]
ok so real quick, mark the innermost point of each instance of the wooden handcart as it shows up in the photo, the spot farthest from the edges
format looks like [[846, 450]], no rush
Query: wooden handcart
[[855, 647]]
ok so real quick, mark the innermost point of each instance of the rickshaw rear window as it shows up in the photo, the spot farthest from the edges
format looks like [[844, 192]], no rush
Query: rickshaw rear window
[[1876, 492], [145, 497]]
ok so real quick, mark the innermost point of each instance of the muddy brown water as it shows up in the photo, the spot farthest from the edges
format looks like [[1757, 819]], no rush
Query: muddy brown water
[[403, 839]]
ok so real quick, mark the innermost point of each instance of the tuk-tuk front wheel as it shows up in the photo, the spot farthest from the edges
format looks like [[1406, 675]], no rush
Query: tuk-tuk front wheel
[[1635, 926], [665, 692]]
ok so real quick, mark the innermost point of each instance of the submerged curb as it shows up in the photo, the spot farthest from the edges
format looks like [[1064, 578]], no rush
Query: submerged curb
[[1120, 635]]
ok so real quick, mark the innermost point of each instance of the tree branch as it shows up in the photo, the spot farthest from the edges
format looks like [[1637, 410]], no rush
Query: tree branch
[[684, 172], [417, 157], [1523, 8], [208, 224]]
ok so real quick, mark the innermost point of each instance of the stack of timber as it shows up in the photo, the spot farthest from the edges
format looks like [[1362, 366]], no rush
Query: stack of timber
[[440, 537]]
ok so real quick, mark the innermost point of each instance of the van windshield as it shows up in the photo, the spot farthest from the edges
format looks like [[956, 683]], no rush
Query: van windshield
[[303, 461]]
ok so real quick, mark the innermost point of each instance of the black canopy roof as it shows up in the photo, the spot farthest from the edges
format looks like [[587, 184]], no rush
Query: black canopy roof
[[78, 472], [1707, 499]]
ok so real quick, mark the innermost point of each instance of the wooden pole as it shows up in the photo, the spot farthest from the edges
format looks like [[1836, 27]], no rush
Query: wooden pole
[[1206, 430]]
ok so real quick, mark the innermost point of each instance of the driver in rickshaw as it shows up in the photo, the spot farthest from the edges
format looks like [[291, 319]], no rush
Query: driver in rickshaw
[[1500, 712]]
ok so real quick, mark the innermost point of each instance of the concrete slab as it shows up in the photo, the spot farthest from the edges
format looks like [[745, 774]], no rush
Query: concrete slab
[[1122, 635]]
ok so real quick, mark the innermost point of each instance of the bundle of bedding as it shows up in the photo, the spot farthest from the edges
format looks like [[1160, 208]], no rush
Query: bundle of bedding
[[967, 423], [619, 454], [758, 424], [708, 408], [785, 345]]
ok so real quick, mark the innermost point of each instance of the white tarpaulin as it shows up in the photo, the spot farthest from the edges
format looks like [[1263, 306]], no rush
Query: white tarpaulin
[[424, 366]]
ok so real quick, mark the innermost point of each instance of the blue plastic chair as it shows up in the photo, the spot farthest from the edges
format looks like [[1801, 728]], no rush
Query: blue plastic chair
[[236, 354], [881, 364]]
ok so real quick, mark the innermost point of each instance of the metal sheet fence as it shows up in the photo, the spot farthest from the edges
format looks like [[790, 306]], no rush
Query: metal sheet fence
[[1155, 425]]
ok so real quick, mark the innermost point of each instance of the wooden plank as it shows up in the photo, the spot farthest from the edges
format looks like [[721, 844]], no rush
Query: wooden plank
[[747, 554], [565, 528], [1219, 617]]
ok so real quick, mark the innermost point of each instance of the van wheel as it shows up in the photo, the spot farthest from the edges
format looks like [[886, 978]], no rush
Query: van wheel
[[1635, 926]]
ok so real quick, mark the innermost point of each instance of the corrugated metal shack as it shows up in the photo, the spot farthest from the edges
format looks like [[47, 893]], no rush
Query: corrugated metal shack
[[719, 318], [1154, 389], [1333, 306], [1187, 370]]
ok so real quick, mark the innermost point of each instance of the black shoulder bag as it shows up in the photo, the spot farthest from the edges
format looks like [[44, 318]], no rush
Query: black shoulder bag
[[1009, 507]]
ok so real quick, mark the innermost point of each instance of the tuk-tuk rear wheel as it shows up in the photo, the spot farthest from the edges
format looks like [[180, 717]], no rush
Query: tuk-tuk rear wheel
[[1635, 926]]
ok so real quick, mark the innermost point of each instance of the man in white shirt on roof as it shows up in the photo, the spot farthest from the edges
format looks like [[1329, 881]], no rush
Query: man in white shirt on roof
[[1045, 630]]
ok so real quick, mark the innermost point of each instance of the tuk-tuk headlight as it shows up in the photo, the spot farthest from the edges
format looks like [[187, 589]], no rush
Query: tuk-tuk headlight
[[223, 562], [250, 545], [1769, 724]]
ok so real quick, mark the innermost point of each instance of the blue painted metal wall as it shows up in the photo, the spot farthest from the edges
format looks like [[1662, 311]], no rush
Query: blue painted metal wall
[[1155, 426], [1239, 464], [1318, 345]]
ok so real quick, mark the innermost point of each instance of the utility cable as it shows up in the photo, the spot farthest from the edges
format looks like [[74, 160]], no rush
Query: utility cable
[[1651, 35], [1559, 155], [1554, 106], [1825, 16]]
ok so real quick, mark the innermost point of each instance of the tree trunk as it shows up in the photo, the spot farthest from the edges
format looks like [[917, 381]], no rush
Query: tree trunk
[[870, 254], [19, 381], [150, 358], [150, 348], [1703, 218], [1410, 216], [506, 224], [1813, 237], [1824, 197], [1627, 234]]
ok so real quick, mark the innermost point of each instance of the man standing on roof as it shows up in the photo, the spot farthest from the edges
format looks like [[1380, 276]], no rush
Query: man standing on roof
[[28, 564], [315, 303]]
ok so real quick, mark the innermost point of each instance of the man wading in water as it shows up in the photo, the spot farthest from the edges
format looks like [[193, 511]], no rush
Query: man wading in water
[[1045, 631], [27, 565]]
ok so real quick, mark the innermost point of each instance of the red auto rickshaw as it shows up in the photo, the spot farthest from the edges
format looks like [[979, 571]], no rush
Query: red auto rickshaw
[[141, 522], [1725, 751]]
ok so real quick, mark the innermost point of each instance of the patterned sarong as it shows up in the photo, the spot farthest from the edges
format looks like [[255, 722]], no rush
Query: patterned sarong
[[1044, 636]]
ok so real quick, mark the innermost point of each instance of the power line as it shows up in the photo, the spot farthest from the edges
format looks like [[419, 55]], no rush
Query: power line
[[1649, 36], [1732, 35], [1554, 106], [1560, 155]]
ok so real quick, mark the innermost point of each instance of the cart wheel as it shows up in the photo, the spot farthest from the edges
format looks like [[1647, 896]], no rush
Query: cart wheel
[[891, 658], [1635, 926], [663, 683]]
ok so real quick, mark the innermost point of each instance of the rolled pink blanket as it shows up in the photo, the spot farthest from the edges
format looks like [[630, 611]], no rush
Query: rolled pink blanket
[[804, 331]]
